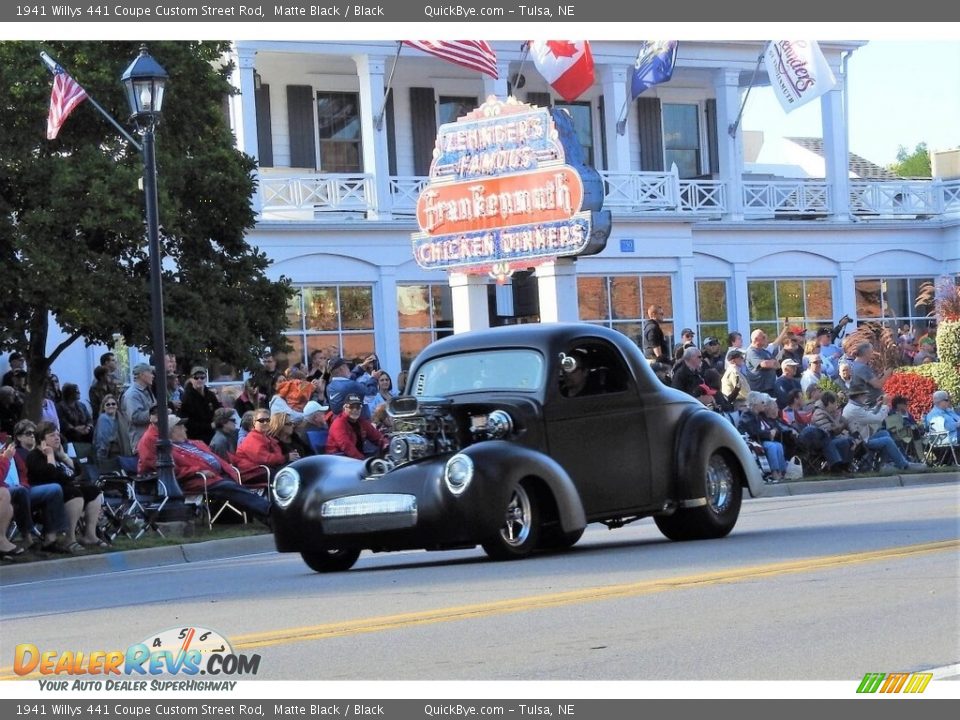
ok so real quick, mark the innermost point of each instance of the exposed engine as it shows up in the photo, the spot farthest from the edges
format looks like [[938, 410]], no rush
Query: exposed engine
[[422, 427]]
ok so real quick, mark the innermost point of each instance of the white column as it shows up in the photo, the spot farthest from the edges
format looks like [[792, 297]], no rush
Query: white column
[[387, 321], [557, 289], [469, 295], [740, 321], [685, 299], [245, 113], [835, 151], [376, 158], [730, 149], [848, 293], [497, 87], [614, 79]]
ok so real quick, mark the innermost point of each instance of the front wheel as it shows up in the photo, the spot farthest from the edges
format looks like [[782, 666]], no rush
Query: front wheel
[[325, 561], [518, 535], [723, 493]]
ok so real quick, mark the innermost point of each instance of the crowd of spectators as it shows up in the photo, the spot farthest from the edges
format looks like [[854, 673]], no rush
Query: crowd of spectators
[[224, 441], [773, 391]]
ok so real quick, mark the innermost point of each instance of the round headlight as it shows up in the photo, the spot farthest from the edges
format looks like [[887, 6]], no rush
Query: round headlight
[[458, 473], [286, 484]]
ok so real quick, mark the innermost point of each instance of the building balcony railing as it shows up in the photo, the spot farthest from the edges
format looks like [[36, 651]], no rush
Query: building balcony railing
[[323, 196]]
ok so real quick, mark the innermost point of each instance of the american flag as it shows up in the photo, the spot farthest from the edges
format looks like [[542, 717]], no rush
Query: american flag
[[66, 95], [474, 54]]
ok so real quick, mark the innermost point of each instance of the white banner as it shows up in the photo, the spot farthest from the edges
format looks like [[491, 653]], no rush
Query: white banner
[[798, 72]]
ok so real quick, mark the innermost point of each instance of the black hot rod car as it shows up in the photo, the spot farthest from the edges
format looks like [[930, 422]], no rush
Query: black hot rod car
[[514, 439]]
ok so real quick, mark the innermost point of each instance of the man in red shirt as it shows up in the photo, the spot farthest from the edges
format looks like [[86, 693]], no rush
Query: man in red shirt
[[349, 431]]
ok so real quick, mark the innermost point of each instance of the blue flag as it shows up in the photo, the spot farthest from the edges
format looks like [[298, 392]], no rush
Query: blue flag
[[654, 65]]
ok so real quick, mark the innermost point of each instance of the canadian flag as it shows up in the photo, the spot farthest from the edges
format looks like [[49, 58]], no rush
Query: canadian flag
[[566, 64]]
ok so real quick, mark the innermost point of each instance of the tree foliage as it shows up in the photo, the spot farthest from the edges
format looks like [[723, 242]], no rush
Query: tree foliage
[[72, 233], [915, 164]]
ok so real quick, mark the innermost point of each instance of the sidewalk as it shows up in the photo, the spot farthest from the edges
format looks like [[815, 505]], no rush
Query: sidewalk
[[14, 573]]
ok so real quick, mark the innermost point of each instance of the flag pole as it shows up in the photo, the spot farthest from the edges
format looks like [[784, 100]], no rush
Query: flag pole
[[378, 118], [519, 80], [52, 67], [622, 119], [732, 129]]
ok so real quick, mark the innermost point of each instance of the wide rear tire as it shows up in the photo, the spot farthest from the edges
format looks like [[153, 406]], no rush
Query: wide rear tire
[[325, 561], [520, 532], [721, 487]]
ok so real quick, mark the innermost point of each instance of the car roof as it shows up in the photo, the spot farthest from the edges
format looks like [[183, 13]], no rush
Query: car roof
[[546, 337]]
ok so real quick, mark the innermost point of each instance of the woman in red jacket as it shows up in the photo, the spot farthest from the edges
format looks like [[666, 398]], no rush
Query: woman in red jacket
[[261, 446], [349, 431]]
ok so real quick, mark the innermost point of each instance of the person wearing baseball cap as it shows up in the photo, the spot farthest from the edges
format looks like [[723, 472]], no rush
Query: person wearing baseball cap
[[341, 385], [353, 435], [734, 384], [713, 355], [198, 405], [943, 420], [787, 382], [135, 404]]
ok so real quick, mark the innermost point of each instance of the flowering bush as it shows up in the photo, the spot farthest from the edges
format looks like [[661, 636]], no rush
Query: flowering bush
[[917, 388], [943, 376]]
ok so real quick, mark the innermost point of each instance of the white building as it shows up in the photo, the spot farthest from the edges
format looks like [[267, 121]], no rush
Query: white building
[[719, 248]]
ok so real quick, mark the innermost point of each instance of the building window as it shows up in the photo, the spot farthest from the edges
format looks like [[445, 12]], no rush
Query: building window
[[451, 108], [425, 314], [803, 303], [582, 115], [712, 317], [338, 123], [892, 300], [681, 138], [337, 319], [620, 301]]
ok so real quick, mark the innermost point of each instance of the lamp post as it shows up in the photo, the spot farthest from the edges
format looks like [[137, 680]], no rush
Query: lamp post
[[144, 82]]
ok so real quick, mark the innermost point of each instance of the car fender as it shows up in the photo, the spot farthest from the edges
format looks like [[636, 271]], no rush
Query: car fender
[[700, 433], [506, 463]]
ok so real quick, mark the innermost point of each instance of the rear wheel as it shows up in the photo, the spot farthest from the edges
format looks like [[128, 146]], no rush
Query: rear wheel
[[723, 493], [324, 561], [518, 535]]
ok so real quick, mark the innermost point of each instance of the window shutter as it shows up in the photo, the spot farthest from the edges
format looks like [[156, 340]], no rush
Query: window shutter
[[651, 134], [539, 99], [713, 139], [391, 136], [303, 149], [264, 129], [601, 162], [423, 118]]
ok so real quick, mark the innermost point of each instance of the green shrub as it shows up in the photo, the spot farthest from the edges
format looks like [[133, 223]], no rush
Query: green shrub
[[948, 343]]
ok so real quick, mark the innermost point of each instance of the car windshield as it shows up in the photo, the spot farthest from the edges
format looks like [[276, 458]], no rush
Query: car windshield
[[491, 370]]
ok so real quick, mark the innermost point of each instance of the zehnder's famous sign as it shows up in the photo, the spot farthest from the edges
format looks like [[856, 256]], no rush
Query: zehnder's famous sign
[[508, 190]]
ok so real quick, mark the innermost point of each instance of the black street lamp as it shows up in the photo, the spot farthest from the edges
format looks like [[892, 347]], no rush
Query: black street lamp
[[144, 82]]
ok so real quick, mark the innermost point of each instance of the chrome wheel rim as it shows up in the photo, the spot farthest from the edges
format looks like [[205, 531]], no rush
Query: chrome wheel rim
[[516, 528], [719, 485]]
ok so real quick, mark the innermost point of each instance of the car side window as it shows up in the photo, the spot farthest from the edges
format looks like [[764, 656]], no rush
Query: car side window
[[592, 369]]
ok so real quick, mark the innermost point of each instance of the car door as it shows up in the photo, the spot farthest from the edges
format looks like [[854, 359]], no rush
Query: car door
[[600, 439]]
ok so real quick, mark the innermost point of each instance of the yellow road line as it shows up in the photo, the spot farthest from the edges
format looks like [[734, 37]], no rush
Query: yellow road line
[[285, 636]]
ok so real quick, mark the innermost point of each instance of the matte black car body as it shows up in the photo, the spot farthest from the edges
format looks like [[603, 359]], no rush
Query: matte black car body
[[634, 448]]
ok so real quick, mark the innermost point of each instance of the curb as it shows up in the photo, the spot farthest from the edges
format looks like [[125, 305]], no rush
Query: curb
[[810, 487], [255, 544], [109, 562]]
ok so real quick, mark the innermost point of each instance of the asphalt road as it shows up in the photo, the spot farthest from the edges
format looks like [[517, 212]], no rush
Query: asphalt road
[[819, 587]]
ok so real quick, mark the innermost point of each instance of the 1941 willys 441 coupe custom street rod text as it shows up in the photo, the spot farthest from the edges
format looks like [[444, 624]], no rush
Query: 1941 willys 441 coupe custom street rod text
[[514, 439]]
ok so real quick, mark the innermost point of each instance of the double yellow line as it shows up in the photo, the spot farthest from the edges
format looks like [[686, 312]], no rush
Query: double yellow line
[[571, 597], [251, 641]]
